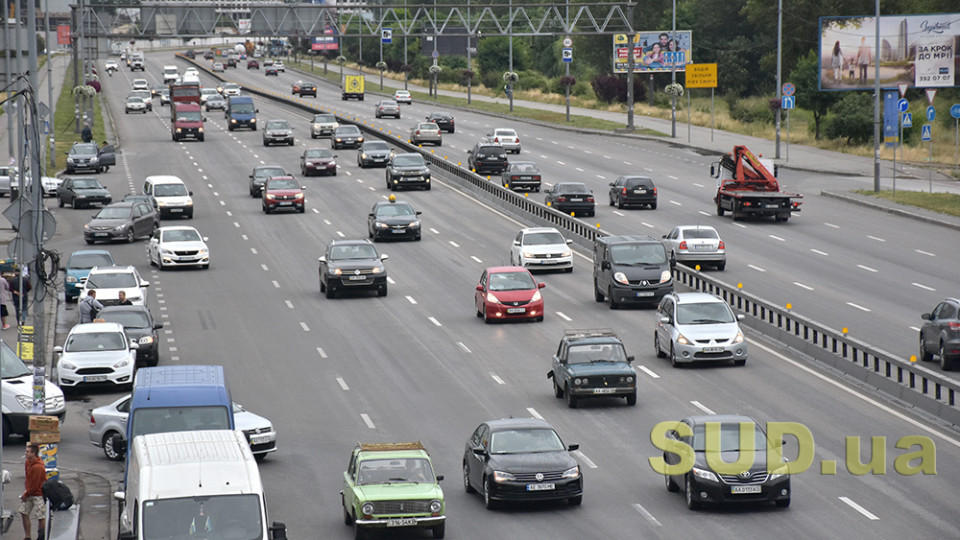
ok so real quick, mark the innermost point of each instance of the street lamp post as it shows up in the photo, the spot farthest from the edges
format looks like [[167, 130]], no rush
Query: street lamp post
[[779, 70], [673, 79]]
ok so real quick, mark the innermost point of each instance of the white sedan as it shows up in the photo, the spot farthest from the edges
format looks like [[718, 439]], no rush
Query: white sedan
[[693, 244], [178, 246], [403, 96], [96, 353], [218, 67], [541, 248]]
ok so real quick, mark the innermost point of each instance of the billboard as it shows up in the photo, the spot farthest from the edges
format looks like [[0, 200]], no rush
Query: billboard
[[327, 42], [653, 51], [919, 50]]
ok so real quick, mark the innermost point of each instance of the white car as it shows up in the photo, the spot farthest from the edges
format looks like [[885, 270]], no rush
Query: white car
[[541, 248], [230, 89], [507, 138], [111, 64], [48, 183], [110, 280], [191, 72], [279, 66], [141, 84], [205, 94], [109, 421], [691, 244], [178, 246], [135, 104], [403, 96], [16, 383], [96, 353], [218, 67]]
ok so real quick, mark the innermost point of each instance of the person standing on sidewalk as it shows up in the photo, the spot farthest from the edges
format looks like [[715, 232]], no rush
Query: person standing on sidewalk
[[32, 505], [5, 299], [21, 299]]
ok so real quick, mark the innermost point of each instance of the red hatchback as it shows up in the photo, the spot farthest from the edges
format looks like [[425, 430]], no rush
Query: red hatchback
[[282, 193], [508, 292]]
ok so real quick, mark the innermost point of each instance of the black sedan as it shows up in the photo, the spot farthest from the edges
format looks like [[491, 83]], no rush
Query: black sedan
[[443, 119], [125, 220], [82, 192], [259, 176], [521, 175], [352, 265], [520, 459], [571, 197], [407, 170], [318, 161], [704, 485], [346, 137], [373, 153], [393, 219], [139, 326]]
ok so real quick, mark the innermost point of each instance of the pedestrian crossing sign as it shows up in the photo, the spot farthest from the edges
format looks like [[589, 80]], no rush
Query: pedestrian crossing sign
[[927, 132]]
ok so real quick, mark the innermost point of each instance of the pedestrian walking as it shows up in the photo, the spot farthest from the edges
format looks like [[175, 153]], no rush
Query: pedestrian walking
[[32, 505], [863, 58], [5, 299], [86, 134], [21, 299], [89, 307]]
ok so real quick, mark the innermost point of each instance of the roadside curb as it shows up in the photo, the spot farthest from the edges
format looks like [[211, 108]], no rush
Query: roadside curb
[[890, 207]]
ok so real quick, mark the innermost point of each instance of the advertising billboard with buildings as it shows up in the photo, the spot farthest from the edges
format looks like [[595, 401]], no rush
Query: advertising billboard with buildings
[[653, 51]]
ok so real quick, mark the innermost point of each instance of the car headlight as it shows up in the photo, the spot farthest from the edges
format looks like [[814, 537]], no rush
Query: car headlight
[[780, 471], [161, 203], [253, 120], [359, 139], [566, 253], [739, 338], [578, 381], [381, 225], [336, 271], [492, 299], [527, 255], [25, 401], [233, 120], [118, 228], [572, 472], [189, 203], [367, 509], [501, 476], [121, 363], [270, 196], [299, 196], [536, 297], [94, 159], [204, 251], [72, 279], [620, 277], [86, 227], [145, 340], [64, 364], [69, 160], [165, 251], [435, 506], [665, 276], [681, 339], [378, 270], [704, 474], [363, 156], [414, 225]]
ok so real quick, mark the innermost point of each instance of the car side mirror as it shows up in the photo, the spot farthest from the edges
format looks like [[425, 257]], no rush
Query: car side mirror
[[144, 283], [134, 345], [713, 171], [569, 241], [157, 326], [516, 242], [664, 320], [58, 349], [573, 447], [605, 265], [927, 316], [336, 155], [673, 262], [371, 214], [419, 212], [612, 184], [478, 450], [439, 478], [630, 359], [740, 316], [278, 531], [119, 495], [541, 285], [384, 257], [480, 288], [256, 110], [470, 151], [303, 188], [322, 259]]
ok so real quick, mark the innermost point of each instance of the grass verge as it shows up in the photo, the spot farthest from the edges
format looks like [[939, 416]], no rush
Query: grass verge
[[65, 124], [945, 203]]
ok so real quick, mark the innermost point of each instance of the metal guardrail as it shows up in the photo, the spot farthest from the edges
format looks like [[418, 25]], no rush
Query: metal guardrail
[[913, 384]]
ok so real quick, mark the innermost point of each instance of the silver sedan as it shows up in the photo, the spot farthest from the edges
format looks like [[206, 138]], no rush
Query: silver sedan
[[692, 244], [426, 132]]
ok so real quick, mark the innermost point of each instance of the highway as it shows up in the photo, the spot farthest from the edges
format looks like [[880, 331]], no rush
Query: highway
[[418, 365]]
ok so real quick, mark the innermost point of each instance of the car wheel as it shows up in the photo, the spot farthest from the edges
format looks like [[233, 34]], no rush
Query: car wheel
[[656, 345], [150, 259], [620, 203], [946, 364], [486, 318], [572, 401], [109, 450], [597, 295], [673, 357], [721, 266], [331, 292], [672, 486], [568, 270], [89, 241], [466, 478], [382, 291], [613, 301], [632, 399], [925, 355], [785, 503], [130, 236], [488, 500], [59, 202], [611, 200], [692, 503], [359, 533], [347, 518], [557, 391]]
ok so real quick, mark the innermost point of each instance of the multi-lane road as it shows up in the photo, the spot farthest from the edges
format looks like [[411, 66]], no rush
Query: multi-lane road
[[418, 365]]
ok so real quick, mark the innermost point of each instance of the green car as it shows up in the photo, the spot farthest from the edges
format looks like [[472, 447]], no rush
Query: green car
[[592, 363], [390, 485]]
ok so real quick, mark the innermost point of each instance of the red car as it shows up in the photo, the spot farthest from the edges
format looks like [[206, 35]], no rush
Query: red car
[[318, 161], [253, 64], [508, 292], [282, 193]]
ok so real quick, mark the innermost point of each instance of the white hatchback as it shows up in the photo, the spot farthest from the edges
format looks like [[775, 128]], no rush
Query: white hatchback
[[97, 352], [110, 280], [141, 84], [541, 248]]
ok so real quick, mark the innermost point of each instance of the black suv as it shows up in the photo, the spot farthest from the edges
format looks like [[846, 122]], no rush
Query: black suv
[[487, 158], [631, 269], [407, 170], [940, 334], [443, 120], [90, 157], [592, 363], [633, 191], [352, 265]]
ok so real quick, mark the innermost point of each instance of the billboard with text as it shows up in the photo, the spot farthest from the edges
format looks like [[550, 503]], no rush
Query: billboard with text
[[653, 51]]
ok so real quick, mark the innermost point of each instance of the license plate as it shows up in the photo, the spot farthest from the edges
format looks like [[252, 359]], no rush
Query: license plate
[[260, 439], [175, 210], [645, 293], [401, 522], [95, 378], [357, 278], [516, 310], [604, 390], [744, 489], [540, 487], [286, 203], [101, 234], [712, 349], [399, 231], [771, 206], [578, 199], [640, 191], [702, 247], [549, 261]]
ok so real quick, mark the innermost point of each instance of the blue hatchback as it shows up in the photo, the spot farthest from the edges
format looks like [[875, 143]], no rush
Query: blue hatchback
[[78, 267]]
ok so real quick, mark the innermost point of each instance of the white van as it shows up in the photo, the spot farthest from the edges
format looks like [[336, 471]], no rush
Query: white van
[[170, 74], [170, 196], [187, 484], [17, 383]]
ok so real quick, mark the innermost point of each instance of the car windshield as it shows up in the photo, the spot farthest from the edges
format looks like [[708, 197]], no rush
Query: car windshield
[[170, 190], [268, 172], [523, 166], [95, 341], [162, 419], [242, 108], [430, 126], [440, 116], [180, 235], [134, 99], [729, 438], [524, 441], [145, 94], [283, 183], [86, 183], [390, 471], [637, 254], [705, 313], [220, 516], [86, 261], [376, 146], [358, 251], [512, 281], [324, 118], [208, 91], [488, 151], [119, 212], [191, 116], [402, 93], [388, 103], [408, 161], [348, 131], [278, 125], [231, 86], [700, 233], [388, 210], [319, 153], [504, 133], [84, 149], [543, 239], [596, 352], [127, 319], [113, 280], [572, 188], [10, 365]]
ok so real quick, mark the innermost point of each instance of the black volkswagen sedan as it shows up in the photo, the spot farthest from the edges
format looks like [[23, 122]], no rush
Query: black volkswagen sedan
[[520, 459], [573, 197]]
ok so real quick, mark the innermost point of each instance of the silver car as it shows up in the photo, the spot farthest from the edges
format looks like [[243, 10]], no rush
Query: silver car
[[323, 125], [695, 327], [387, 107], [110, 421], [507, 138], [278, 132], [696, 244], [426, 132]]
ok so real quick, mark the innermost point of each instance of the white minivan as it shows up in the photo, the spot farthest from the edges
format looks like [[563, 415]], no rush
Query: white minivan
[[17, 383], [170, 74], [170, 195]]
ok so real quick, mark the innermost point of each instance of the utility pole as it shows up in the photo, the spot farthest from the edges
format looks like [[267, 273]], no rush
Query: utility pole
[[6, 45], [779, 74], [876, 107], [630, 66], [34, 145], [673, 78], [50, 102], [510, 29]]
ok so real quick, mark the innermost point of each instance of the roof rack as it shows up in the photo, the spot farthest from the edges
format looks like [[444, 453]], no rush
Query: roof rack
[[588, 332], [391, 447]]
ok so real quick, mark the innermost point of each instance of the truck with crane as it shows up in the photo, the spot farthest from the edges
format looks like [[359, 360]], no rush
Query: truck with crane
[[747, 187]]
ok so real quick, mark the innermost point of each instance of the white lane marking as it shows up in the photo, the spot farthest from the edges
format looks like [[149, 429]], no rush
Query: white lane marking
[[171, 349], [648, 371], [924, 287], [648, 169], [875, 238], [757, 268], [776, 238], [672, 177], [434, 321], [464, 347], [587, 152], [741, 225], [496, 378], [867, 268], [627, 163], [586, 461], [321, 352], [802, 286], [315, 211], [579, 169], [560, 162], [474, 257], [858, 508], [391, 281], [645, 224], [818, 252], [236, 224], [454, 244], [646, 514], [606, 156], [702, 213], [342, 383], [570, 147], [434, 231], [533, 412], [168, 332], [244, 237], [367, 420], [171, 340], [602, 177], [676, 203], [411, 300], [543, 156], [915, 328], [253, 250], [288, 303], [831, 225], [222, 203], [922, 252], [619, 213], [698, 185], [264, 267], [275, 284], [703, 408], [304, 326], [327, 222], [563, 316], [861, 308], [340, 234], [229, 213]]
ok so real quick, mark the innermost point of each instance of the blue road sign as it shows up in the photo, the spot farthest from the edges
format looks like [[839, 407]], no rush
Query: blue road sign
[[903, 105], [931, 113], [955, 111], [927, 133], [568, 55], [788, 102], [907, 120], [386, 36]]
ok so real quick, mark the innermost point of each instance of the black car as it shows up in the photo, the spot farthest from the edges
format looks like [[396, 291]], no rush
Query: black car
[[82, 192], [487, 158], [260, 175], [703, 485], [631, 269], [191, 54], [373, 153], [520, 459], [136, 197], [305, 89], [393, 219], [125, 220], [90, 157], [573, 197], [444, 120], [940, 334], [592, 364], [230, 63], [346, 137], [633, 191], [521, 175], [139, 326], [407, 170], [351, 265], [208, 55]]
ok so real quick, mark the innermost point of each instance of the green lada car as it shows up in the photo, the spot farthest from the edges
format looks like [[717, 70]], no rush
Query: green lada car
[[592, 363], [392, 485]]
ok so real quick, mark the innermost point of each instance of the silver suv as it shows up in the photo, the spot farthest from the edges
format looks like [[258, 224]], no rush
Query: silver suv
[[694, 326]]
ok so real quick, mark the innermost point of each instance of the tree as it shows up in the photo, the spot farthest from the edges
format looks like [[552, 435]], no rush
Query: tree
[[805, 78], [851, 118]]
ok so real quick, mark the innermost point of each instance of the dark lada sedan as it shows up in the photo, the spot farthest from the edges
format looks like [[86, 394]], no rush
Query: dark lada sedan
[[571, 197], [352, 265]]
